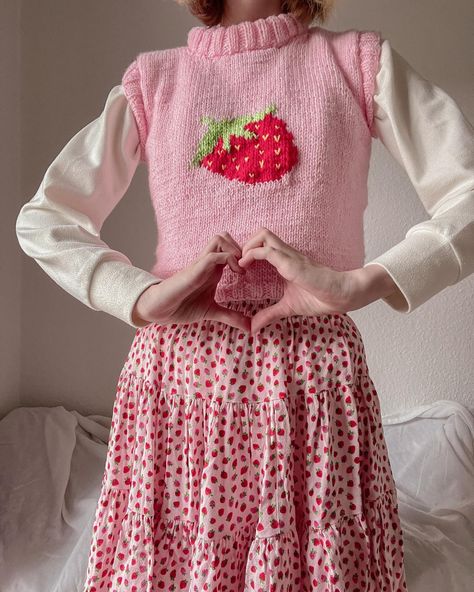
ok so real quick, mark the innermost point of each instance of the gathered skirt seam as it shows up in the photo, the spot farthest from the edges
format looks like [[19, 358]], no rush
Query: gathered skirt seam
[[172, 522], [164, 389]]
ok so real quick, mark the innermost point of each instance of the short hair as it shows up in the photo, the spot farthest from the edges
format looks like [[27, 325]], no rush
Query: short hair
[[210, 12]]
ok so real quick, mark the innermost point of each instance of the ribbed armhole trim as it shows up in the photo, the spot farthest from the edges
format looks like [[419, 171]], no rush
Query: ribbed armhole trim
[[369, 50], [133, 92]]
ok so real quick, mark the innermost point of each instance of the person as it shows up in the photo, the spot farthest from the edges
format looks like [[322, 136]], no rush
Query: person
[[246, 449]]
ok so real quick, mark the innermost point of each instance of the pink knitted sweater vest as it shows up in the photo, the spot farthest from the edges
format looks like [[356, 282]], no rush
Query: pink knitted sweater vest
[[264, 123]]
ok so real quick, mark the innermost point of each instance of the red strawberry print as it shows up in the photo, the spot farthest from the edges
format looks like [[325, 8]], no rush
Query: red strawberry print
[[251, 148], [252, 483]]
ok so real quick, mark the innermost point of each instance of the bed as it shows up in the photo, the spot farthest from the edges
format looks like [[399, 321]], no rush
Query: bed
[[52, 461]]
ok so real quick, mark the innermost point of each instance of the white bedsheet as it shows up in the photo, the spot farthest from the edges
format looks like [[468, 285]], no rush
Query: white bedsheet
[[52, 461]]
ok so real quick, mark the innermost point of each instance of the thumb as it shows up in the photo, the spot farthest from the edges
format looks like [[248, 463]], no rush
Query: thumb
[[232, 317], [266, 316]]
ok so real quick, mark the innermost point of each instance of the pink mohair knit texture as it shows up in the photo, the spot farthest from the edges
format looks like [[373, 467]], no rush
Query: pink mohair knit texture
[[265, 124]]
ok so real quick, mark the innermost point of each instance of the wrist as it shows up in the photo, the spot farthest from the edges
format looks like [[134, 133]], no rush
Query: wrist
[[376, 281], [139, 311], [137, 319]]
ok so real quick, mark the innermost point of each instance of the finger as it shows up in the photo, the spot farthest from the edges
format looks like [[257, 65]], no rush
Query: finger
[[234, 318], [285, 262], [230, 259], [262, 237], [271, 254], [233, 264], [219, 243], [266, 316], [231, 239], [214, 258]]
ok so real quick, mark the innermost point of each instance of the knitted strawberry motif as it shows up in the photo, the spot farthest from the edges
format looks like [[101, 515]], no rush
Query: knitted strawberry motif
[[250, 148]]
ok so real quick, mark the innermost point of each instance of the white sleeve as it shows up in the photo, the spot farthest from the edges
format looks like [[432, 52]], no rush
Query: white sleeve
[[427, 133], [60, 226]]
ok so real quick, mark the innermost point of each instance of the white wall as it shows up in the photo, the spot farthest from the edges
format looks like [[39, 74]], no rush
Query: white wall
[[72, 54], [10, 258], [425, 355]]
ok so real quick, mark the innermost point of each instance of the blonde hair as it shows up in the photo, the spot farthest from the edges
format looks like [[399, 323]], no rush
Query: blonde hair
[[210, 12]]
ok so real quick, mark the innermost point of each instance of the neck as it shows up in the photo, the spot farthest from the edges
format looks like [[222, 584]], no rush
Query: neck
[[248, 10]]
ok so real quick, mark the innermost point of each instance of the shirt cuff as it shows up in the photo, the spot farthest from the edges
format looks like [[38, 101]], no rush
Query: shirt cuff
[[421, 265], [116, 286]]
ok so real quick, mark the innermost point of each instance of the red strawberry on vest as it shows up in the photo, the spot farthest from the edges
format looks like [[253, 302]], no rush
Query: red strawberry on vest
[[250, 148]]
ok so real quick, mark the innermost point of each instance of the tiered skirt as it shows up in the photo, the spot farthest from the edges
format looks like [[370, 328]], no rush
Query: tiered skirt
[[241, 463]]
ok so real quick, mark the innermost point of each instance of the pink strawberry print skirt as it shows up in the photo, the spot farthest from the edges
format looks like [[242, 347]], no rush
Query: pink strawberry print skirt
[[240, 463]]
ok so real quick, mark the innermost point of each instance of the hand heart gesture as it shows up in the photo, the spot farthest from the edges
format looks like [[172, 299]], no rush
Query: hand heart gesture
[[188, 295]]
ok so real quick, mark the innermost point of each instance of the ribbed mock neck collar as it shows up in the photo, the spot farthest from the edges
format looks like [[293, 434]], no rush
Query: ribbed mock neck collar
[[220, 40]]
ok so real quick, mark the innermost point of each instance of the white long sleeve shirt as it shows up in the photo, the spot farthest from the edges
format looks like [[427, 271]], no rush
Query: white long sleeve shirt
[[418, 122]]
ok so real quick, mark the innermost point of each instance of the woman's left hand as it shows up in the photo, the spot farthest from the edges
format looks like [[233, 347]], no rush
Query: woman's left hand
[[310, 288]]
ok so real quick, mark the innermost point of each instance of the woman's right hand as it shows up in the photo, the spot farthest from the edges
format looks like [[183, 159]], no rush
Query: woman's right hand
[[188, 295]]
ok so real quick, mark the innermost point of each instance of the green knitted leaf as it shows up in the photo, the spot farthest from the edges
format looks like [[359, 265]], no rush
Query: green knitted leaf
[[225, 128]]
